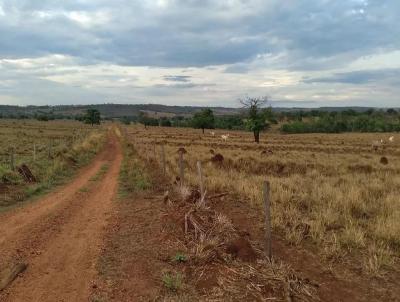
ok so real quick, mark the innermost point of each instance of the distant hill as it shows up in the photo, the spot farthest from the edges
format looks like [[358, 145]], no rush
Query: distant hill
[[154, 110], [112, 110]]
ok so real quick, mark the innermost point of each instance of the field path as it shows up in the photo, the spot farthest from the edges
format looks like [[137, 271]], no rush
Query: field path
[[61, 235]]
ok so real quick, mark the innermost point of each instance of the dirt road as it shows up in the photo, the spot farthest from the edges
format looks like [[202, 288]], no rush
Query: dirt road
[[60, 236]]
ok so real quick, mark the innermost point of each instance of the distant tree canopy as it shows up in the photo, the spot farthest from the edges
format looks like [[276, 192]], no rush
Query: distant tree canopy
[[231, 122], [125, 120], [165, 122], [144, 119], [92, 117], [203, 119], [345, 121], [256, 118]]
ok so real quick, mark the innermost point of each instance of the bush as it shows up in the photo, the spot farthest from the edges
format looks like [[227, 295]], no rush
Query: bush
[[9, 177], [344, 122]]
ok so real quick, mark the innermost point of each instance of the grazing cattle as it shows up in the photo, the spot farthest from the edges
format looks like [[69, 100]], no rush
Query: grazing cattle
[[225, 137], [391, 139], [212, 133]]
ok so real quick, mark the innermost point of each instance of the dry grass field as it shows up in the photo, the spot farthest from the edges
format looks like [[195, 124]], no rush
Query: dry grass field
[[331, 193], [51, 150]]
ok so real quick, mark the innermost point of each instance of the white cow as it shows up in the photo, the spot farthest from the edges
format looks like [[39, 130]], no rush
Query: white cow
[[225, 137], [212, 133], [391, 139]]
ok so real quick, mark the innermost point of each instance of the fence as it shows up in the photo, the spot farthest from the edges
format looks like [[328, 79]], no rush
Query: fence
[[264, 190], [11, 158]]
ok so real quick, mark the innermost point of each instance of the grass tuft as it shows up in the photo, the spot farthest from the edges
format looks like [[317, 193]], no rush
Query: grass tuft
[[172, 281]]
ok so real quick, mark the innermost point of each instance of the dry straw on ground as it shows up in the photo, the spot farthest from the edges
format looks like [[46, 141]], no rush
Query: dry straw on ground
[[329, 190]]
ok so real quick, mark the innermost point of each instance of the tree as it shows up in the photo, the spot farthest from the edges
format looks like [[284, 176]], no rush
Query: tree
[[144, 119], [92, 117], [165, 122], [125, 120], [256, 119], [229, 122], [203, 119]]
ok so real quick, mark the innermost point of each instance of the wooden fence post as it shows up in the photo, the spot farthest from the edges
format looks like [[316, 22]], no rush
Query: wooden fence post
[[181, 168], [34, 152], [49, 148], [12, 159], [268, 233], [163, 160], [200, 179]]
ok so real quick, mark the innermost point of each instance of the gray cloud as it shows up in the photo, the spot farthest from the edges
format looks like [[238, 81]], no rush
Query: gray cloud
[[183, 85], [360, 77], [177, 78], [241, 45], [193, 33]]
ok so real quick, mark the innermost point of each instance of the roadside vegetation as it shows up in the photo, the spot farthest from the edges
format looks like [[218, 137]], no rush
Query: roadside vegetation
[[133, 174], [36, 156]]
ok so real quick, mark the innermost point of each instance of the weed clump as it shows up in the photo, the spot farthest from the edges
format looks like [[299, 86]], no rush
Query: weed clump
[[172, 282], [9, 177], [180, 258]]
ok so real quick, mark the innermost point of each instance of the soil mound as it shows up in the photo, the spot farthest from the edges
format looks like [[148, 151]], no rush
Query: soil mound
[[242, 249], [217, 158], [384, 160]]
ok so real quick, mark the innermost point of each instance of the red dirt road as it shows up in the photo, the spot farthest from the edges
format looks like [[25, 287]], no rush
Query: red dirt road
[[60, 236]]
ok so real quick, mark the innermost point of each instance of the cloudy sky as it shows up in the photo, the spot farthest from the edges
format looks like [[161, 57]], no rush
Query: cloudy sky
[[200, 52]]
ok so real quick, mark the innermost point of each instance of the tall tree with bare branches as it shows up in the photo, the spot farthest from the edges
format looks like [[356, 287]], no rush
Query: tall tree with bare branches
[[256, 121]]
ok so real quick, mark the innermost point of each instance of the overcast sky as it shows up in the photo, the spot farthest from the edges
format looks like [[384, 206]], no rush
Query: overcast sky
[[200, 52]]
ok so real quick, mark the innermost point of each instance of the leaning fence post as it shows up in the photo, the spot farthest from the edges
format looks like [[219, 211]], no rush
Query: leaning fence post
[[12, 159], [49, 149], [163, 160], [268, 233], [34, 152], [200, 179], [181, 168]]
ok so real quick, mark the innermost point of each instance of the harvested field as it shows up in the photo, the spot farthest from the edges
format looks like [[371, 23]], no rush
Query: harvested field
[[330, 194], [334, 218], [35, 155]]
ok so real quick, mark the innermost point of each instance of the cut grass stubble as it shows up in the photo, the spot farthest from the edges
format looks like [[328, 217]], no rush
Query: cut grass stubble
[[347, 212]]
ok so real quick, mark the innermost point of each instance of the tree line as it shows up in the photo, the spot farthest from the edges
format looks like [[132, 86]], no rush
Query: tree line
[[345, 121], [255, 117]]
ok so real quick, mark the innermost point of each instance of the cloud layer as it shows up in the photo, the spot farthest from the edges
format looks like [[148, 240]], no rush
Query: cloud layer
[[200, 52]]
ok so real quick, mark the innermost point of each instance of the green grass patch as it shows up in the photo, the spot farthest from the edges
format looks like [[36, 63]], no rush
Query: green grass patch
[[103, 170], [84, 189], [133, 176], [171, 281], [180, 258]]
